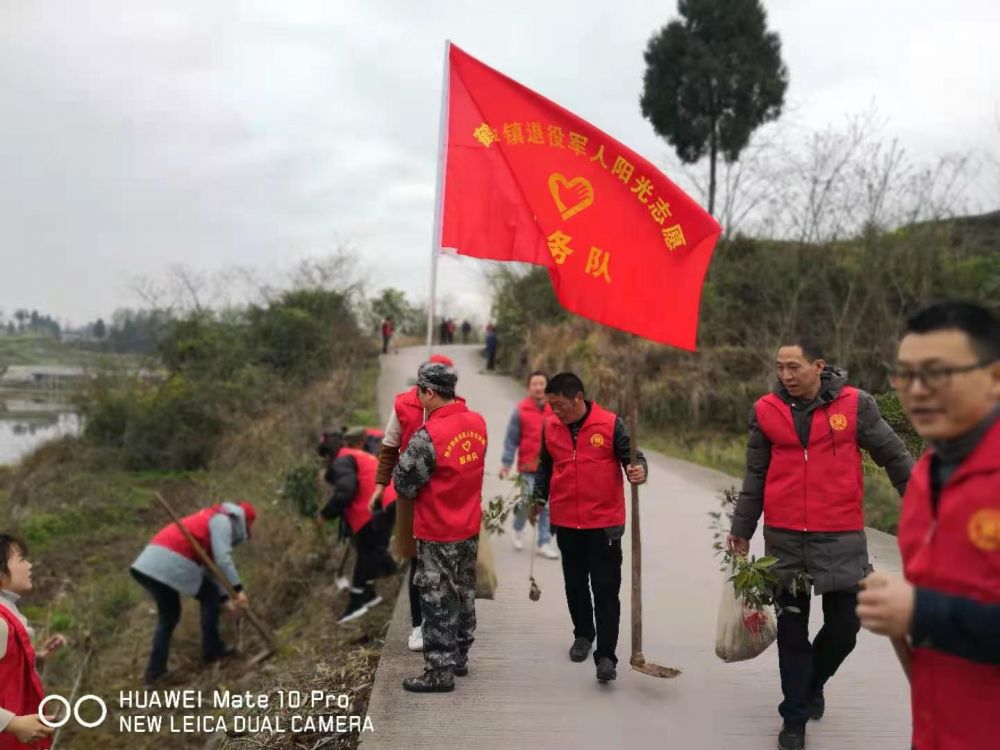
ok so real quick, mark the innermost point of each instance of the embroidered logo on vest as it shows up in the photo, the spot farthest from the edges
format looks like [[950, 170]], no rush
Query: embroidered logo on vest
[[984, 529], [838, 422], [597, 440]]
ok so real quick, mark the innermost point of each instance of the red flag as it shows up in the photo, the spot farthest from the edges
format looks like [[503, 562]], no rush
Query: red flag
[[527, 180]]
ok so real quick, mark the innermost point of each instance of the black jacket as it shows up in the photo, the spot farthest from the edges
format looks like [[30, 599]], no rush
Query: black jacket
[[342, 476]]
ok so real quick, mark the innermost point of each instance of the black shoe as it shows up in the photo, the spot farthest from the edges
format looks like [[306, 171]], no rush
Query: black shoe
[[371, 598], [606, 670], [355, 607], [579, 650], [224, 652], [430, 682], [792, 737], [151, 679], [817, 706]]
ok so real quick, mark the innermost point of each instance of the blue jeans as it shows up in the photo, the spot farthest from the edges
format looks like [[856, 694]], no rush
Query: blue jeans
[[520, 519], [168, 607]]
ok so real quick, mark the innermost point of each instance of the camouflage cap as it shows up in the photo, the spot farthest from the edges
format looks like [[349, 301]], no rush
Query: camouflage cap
[[354, 433], [437, 376]]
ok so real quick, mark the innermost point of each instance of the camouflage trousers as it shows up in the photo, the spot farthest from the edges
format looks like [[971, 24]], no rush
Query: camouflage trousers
[[446, 577]]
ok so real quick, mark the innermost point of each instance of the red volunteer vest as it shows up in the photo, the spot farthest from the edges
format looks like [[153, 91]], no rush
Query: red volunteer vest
[[449, 507], [954, 701], [357, 514], [532, 418], [820, 487], [197, 523], [410, 414], [21, 689], [586, 490]]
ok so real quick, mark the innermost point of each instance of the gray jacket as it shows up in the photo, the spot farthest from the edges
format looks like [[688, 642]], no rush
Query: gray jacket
[[834, 560], [226, 530]]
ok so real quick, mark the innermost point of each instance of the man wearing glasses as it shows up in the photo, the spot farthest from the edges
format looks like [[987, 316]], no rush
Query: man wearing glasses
[[948, 379], [804, 474]]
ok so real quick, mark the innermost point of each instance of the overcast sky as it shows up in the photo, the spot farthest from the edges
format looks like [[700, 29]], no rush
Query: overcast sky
[[136, 135]]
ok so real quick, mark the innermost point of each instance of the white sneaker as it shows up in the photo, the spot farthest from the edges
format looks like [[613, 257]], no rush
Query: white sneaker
[[516, 539], [548, 551], [416, 639]]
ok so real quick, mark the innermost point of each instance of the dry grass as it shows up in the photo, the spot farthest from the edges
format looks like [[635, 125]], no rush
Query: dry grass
[[83, 587]]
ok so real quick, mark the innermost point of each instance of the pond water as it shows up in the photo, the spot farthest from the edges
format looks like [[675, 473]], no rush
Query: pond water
[[26, 424]]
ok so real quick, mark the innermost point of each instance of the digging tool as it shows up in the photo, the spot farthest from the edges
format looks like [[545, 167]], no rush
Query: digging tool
[[342, 583], [638, 661], [902, 648], [534, 593], [76, 689], [266, 633]]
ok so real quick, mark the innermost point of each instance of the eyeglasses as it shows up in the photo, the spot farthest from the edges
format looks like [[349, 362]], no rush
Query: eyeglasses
[[931, 378]]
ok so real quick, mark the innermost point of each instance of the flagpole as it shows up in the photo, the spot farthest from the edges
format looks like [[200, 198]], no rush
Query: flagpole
[[442, 160]]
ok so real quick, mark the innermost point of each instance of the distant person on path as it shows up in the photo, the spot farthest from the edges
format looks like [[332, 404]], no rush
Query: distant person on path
[[584, 450], [406, 418], [451, 331], [21, 689], [804, 474], [169, 567], [387, 330], [351, 473], [466, 331], [443, 332], [441, 468], [524, 438], [491, 347], [947, 376]]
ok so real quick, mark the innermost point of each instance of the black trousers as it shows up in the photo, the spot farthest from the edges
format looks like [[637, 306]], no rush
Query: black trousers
[[416, 616], [371, 542], [805, 667], [592, 563]]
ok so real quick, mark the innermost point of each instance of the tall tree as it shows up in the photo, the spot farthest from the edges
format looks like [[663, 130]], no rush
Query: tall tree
[[392, 302], [712, 77]]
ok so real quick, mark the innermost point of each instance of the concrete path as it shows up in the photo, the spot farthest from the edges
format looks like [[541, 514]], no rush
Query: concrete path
[[522, 689]]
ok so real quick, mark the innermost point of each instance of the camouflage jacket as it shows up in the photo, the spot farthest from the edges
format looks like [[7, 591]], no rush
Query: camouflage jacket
[[416, 464]]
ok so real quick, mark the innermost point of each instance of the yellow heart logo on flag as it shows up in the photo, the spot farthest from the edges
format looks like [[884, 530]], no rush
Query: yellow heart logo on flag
[[467, 446], [580, 194]]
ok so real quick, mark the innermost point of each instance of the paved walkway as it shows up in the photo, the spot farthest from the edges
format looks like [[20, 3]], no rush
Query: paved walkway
[[522, 689]]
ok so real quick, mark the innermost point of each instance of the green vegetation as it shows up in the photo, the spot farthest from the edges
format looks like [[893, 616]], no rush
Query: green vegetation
[[221, 371]]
